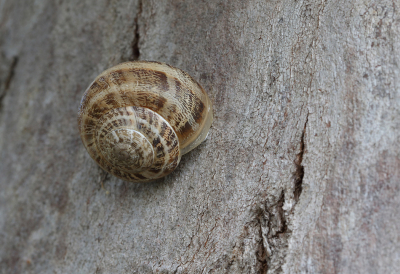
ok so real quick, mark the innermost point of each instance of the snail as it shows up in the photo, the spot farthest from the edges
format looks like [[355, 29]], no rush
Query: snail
[[138, 118]]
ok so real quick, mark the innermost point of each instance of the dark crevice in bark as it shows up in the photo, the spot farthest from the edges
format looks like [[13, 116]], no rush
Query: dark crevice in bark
[[278, 233], [299, 174], [262, 252], [282, 228], [273, 221], [11, 72], [135, 43], [8, 79]]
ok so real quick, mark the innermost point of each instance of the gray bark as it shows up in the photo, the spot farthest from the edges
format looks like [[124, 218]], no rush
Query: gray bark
[[301, 169]]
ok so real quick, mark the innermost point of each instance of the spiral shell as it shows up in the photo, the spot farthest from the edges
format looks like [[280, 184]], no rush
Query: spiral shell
[[137, 119]]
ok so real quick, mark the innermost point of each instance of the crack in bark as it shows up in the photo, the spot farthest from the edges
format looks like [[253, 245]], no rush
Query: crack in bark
[[278, 232], [281, 215], [299, 174], [11, 72], [262, 253], [273, 242], [8, 79], [271, 220], [135, 43]]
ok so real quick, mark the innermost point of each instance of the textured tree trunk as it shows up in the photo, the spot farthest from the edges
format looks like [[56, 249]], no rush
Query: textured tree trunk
[[300, 172]]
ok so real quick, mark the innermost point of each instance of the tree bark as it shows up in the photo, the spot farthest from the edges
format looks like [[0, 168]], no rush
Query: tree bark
[[301, 169]]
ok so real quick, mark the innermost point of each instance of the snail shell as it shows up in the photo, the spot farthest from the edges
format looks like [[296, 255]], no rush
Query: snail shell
[[137, 119]]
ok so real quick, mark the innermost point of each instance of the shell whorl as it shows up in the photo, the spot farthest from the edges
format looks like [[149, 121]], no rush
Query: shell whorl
[[136, 119]]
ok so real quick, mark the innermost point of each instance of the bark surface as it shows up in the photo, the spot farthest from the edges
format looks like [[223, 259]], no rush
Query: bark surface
[[300, 172]]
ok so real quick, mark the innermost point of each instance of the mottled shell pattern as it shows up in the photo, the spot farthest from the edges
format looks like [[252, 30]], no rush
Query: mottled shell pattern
[[137, 119]]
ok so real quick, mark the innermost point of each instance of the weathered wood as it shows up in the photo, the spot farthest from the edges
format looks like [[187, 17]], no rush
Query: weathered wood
[[301, 169]]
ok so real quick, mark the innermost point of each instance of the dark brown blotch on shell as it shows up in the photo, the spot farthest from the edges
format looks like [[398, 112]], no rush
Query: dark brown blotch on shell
[[158, 78], [186, 130], [156, 141], [199, 113], [117, 77], [139, 176], [110, 100]]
